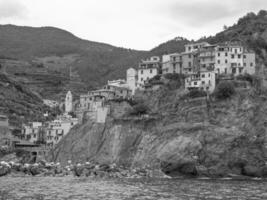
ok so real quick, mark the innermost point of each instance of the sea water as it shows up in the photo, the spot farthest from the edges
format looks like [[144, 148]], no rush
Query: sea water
[[52, 188]]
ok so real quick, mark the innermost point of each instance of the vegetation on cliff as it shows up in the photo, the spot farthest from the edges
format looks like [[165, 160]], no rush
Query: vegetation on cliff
[[19, 103]]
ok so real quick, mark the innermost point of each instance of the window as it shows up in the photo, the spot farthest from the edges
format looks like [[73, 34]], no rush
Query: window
[[142, 79], [203, 75], [235, 50], [209, 74], [239, 56], [189, 48], [244, 56], [219, 54], [151, 71], [226, 61], [207, 88], [189, 64], [232, 56], [203, 82], [245, 64], [226, 54], [189, 56], [219, 61], [251, 64], [142, 72], [195, 83]]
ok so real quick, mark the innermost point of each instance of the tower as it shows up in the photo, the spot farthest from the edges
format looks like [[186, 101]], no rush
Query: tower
[[131, 79], [68, 102]]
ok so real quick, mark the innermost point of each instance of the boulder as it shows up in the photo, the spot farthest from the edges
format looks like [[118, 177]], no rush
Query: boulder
[[253, 171], [4, 170]]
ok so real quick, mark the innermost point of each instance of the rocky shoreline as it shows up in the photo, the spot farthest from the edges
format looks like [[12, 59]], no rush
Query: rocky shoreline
[[77, 170]]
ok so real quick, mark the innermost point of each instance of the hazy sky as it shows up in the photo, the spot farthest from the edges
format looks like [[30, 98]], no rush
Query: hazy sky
[[137, 24]]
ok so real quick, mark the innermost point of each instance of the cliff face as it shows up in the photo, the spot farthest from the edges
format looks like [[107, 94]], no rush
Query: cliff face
[[185, 137]]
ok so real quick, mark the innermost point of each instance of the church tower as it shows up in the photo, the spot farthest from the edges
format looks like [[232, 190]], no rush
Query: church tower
[[68, 102], [131, 79]]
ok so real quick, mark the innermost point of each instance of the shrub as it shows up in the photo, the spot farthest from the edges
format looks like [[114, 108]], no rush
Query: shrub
[[139, 109], [155, 78], [195, 93], [245, 77], [224, 90]]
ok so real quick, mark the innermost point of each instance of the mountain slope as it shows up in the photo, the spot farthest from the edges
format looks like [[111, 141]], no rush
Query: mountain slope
[[19, 103], [93, 63]]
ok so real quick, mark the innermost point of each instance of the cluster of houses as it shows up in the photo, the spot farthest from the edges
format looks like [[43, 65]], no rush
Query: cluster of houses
[[201, 63], [51, 132]]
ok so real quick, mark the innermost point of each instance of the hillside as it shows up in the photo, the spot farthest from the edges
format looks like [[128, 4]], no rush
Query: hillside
[[19, 103], [92, 63]]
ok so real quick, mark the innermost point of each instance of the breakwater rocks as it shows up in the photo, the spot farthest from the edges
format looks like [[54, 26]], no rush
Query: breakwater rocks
[[79, 170]]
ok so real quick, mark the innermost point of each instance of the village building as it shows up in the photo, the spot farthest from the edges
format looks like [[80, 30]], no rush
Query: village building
[[234, 59], [206, 58], [119, 92], [193, 47], [131, 79], [68, 102], [32, 132], [148, 69], [49, 133], [172, 63], [205, 80]]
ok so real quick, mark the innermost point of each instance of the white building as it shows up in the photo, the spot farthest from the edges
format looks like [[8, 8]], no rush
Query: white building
[[68, 102], [148, 69], [234, 59], [49, 133], [192, 47], [203, 80]]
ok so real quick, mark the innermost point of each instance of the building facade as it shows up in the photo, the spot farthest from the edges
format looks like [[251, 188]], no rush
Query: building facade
[[68, 102], [148, 69], [205, 81], [131, 79]]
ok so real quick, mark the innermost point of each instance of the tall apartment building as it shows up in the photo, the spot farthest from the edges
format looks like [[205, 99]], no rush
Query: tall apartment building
[[148, 69], [234, 59]]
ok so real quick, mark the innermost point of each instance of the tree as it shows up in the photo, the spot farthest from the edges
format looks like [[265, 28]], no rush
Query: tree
[[224, 90]]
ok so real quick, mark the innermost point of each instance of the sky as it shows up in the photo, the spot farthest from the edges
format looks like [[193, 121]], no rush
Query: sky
[[135, 24]]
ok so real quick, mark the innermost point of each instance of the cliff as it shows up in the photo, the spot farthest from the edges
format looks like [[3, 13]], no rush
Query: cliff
[[185, 137]]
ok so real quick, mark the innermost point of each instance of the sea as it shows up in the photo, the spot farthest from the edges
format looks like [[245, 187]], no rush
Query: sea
[[69, 187]]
